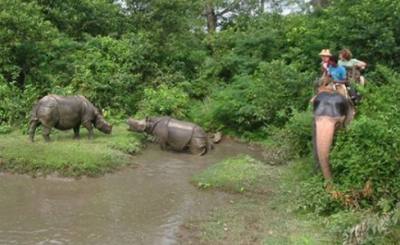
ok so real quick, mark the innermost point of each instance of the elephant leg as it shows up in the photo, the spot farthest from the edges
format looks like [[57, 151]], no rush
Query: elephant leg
[[46, 133], [32, 129], [76, 132]]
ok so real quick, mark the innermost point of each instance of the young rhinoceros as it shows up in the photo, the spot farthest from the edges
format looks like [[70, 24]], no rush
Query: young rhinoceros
[[66, 112], [172, 133]]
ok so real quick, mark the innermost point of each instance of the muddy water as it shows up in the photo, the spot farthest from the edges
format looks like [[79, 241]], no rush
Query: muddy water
[[144, 205]]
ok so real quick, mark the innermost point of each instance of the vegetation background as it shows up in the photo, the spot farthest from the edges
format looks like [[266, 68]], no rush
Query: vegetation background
[[243, 67]]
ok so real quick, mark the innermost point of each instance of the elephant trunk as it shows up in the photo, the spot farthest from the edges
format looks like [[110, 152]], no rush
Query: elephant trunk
[[324, 131]]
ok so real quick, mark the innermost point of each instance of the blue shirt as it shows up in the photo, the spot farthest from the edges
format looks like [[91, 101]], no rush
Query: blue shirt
[[337, 73]]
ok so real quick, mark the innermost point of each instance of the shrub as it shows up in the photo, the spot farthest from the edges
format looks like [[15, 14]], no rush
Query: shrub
[[265, 98], [164, 100], [352, 167], [103, 73], [296, 135], [16, 104]]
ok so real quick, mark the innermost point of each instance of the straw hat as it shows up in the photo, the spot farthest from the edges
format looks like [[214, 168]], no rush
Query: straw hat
[[325, 52]]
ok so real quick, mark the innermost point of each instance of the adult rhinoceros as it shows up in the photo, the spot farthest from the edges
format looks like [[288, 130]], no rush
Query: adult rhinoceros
[[66, 112], [172, 133]]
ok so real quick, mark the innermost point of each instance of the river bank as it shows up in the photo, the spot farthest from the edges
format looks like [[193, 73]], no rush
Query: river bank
[[262, 211], [68, 157]]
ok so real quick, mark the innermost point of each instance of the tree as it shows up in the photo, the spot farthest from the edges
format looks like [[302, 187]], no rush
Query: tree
[[25, 37], [79, 18], [319, 4]]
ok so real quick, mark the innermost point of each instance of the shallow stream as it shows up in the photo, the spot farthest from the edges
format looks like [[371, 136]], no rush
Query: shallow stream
[[141, 205]]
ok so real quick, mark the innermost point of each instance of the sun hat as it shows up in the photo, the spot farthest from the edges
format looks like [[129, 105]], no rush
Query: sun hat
[[325, 52]]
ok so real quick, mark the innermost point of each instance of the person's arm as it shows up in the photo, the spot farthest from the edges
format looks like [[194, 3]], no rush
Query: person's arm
[[360, 64]]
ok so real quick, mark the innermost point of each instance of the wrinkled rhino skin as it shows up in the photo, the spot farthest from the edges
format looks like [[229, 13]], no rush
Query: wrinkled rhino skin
[[174, 134], [64, 113]]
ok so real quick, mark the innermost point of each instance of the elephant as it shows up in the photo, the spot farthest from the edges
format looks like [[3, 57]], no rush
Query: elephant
[[64, 113], [332, 111], [174, 134]]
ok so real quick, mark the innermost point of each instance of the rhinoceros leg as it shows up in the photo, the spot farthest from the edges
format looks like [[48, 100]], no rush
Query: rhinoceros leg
[[76, 132], [198, 146], [161, 135], [163, 144], [89, 127], [196, 150], [46, 133], [32, 129]]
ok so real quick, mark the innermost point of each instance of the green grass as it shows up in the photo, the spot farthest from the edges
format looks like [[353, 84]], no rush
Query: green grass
[[263, 214], [253, 220], [276, 216], [66, 156], [238, 174]]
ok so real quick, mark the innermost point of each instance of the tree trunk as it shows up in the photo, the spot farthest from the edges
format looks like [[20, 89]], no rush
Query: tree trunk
[[262, 6], [211, 17], [319, 4]]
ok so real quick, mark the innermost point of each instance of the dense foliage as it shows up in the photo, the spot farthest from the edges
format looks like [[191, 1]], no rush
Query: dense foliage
[[251, 75]]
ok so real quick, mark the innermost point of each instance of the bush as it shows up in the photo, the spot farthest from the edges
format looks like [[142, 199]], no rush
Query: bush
[[352, 167], [379, 122], [265, 98], [16, 105], [103, 73], [164, 100], [296, 135], [5, 129]]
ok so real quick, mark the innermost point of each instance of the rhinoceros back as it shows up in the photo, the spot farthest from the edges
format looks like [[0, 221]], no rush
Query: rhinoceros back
[[179, 133], [62, 112]]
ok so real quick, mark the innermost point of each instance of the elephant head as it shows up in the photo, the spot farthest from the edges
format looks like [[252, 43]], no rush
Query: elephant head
[[331, 111]]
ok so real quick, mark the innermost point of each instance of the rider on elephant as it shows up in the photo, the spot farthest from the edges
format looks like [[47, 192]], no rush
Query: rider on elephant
[[336, 81], [325, 54], [353, 66], [338, 76]]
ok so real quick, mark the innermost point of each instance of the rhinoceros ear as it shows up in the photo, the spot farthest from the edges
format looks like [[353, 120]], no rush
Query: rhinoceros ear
[[101, 111]]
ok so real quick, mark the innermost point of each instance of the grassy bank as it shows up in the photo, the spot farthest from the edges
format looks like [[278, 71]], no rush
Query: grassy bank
[[263, 212], [66, 156], [237, 175]]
